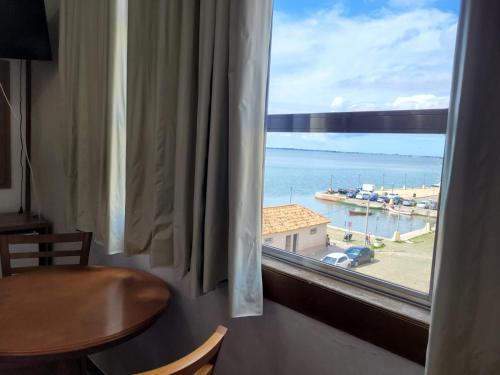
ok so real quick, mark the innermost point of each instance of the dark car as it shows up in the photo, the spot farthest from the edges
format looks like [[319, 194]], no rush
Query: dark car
[[383, 199], [359, 255], [343, 191], [351, 193], [397, 200]]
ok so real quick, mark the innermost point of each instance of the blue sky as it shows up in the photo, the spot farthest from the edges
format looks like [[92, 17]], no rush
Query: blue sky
[[358, 55]]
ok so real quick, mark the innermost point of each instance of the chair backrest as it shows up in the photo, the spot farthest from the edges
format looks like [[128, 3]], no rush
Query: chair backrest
[[200, 362], [83, 238]]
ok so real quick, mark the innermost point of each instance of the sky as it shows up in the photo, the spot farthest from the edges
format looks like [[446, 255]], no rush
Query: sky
[[359, 55]]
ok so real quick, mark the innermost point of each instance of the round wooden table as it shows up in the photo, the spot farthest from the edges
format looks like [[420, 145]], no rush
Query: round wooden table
[[59, 315]]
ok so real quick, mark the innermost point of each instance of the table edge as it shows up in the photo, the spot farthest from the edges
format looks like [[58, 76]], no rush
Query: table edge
[[88, 348]]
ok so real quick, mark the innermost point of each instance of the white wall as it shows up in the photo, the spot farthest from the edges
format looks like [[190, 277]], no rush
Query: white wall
[[306, 240], [47, 128], [10, 198], [280, 342]]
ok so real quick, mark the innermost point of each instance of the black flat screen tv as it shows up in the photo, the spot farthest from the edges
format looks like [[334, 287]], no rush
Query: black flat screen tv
[[23, 30]]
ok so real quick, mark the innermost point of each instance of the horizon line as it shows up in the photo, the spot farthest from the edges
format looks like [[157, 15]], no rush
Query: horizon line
[[352, 152]]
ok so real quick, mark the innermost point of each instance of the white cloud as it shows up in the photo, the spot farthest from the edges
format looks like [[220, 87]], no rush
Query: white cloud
[[332, 62], [337, 103], [420, 102], [411, 3]]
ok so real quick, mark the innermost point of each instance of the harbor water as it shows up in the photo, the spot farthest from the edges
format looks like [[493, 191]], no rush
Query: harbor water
[[296, 175]]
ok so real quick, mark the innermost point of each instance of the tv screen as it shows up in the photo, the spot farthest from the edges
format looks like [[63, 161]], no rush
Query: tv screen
[[23, 30]]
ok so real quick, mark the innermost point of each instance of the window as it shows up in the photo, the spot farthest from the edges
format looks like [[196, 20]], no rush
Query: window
[[357, 110]]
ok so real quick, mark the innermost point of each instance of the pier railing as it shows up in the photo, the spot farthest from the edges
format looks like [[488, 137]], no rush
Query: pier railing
[[428, 121]]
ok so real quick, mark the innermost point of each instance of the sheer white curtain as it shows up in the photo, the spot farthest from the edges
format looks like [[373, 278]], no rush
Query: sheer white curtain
[[118, 125], [465, 329], [92, 63]]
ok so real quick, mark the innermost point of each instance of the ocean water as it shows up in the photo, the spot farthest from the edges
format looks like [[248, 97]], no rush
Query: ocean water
[[296, 175]]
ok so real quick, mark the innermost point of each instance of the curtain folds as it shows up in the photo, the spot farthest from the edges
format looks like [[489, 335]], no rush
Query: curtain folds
[[93, 91], [464, 337], [197, 73], [164, 107]]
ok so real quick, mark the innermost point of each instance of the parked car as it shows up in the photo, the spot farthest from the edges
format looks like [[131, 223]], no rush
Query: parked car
[[359, 255], [343, 191], [383, 199], [364, 195], [373, 197], [434, 205], [409, 202], [423, 204], [351, 193], [397, 199], [337, 259]]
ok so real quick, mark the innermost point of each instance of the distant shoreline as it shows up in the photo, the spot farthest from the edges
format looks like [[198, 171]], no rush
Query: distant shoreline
[[352, 152]]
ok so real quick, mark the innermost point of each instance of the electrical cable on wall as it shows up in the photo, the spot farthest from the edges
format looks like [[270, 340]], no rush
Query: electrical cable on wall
[[23, 145]]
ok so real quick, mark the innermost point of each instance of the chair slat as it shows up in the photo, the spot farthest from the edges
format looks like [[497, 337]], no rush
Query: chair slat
[[84, 238], [46, 238], [46, 254]]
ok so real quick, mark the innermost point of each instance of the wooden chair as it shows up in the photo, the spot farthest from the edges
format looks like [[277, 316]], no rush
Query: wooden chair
[[200, 362], [85, 238]]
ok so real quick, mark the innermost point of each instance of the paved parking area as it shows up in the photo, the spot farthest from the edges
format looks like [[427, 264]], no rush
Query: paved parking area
[[403, 263]]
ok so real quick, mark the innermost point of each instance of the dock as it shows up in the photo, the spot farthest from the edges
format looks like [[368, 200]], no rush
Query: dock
[[339, 198], [423, 192]]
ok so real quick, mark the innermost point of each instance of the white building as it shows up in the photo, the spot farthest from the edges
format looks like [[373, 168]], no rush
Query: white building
[[294, 228]]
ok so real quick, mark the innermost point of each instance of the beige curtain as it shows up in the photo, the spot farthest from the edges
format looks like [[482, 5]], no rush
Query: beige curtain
[[197, 74], [464, 335], [92, 64]]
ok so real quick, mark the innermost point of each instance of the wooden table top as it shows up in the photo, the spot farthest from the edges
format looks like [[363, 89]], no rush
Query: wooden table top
[[69, 312]]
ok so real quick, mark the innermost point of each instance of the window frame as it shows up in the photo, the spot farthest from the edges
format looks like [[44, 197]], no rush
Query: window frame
[[426, 121]]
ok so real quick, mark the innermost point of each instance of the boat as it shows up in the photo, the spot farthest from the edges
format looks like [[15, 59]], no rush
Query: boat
[[392, 210], [358, 213]]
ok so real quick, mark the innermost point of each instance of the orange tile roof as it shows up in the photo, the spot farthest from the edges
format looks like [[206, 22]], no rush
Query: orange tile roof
[[279, 219]]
